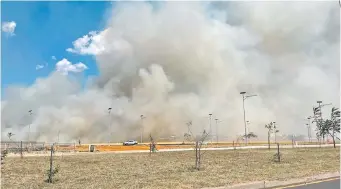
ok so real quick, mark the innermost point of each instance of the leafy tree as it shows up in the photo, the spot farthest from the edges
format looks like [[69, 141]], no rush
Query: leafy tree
[[320, 128], [329, 126], [332, 126], [250, 135], [9, 135], [335, 118]]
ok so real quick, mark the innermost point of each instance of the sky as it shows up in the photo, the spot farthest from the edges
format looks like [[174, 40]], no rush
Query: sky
[[37, 35], [173, 62]]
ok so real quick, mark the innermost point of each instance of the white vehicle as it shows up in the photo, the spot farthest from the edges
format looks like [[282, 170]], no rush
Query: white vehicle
[[129, 142]]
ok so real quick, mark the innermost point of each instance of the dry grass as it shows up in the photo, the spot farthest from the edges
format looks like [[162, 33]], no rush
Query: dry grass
[[168, 169]]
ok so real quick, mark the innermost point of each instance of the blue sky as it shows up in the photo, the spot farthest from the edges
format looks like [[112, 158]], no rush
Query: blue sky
[[43, 30]]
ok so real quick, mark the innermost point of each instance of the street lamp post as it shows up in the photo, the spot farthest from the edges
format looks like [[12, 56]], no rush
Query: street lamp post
[[320, 105], [110, 120], [244, 98], [58, 137], [216, 129], [309, 129], [210, 123], [210, 131], [29, 126], [142, 117], [275, 130], [247, 127]]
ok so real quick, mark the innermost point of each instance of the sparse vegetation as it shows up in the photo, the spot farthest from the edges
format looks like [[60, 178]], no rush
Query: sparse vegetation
[[51, 172], [277, 155], [168, 169], [3, 156]]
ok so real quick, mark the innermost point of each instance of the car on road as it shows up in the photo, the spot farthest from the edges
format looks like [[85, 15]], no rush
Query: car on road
[[129, 142]]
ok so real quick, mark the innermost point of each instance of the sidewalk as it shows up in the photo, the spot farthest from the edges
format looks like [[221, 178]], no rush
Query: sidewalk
[[269, 184]]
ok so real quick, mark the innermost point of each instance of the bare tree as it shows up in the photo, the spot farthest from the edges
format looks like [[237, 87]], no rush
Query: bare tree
[[199, 141], [51, 172], [270, 128], [152, 145], [278, 155]]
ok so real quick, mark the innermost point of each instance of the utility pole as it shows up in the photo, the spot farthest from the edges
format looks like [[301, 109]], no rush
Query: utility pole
[[244, 98]]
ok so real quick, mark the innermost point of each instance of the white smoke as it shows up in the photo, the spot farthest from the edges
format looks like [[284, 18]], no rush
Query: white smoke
[[178, 62]]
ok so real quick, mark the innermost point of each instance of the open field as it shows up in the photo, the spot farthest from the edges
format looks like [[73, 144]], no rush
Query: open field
[[168, 169]]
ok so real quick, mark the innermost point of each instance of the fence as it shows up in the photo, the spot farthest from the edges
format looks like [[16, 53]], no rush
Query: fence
[[33, 146], [22, 146]]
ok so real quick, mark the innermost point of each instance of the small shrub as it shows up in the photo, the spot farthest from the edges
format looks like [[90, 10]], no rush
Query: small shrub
[[50, 175], [277, 157]]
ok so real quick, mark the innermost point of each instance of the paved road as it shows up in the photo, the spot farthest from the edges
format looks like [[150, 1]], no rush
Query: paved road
[[333, 183], [169, 150]]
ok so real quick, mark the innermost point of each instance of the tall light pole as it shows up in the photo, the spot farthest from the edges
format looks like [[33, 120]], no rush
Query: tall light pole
[[275, 130], [216, 129], [320, 105], [29, 126], [142, 117], [210, 123], [58, 137], [244, 98], [309, 128], [308, 131], [110, 129], [247, 127]]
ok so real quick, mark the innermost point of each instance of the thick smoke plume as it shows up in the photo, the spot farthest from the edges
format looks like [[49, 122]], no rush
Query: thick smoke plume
[[176, 62]]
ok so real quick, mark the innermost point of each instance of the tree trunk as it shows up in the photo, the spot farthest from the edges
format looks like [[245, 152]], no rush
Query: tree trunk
[[278, 154], [196, 154], [333, 137], [51, 166], [269, 140], [199, 157]]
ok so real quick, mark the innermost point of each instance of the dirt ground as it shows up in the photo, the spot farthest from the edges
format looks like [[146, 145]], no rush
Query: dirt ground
[[168, 169]]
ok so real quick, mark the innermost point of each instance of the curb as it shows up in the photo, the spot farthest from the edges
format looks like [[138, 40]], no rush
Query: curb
[[274, 184]]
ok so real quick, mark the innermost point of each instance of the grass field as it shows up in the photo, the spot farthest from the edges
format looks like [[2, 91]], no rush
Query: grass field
[[168, 169]]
